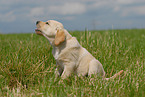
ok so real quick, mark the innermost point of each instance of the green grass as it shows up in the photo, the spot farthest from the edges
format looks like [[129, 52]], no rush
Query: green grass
[[27, 65]]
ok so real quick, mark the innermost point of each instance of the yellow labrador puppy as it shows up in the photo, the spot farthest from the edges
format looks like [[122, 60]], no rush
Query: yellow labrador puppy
[[70, 56]]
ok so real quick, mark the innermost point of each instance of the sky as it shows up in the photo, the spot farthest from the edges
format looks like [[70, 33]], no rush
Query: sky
[[20, 16]]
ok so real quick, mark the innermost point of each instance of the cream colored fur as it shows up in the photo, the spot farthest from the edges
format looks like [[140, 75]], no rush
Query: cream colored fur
[[70, 56]]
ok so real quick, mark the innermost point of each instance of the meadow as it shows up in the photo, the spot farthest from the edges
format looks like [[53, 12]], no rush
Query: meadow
[[27, 65]]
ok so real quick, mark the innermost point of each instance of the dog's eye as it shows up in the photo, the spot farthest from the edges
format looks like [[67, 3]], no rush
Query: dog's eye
[[47, 23]]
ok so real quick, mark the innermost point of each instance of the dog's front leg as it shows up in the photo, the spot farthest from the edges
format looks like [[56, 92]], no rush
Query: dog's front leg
[[58, 70], [68, 70]]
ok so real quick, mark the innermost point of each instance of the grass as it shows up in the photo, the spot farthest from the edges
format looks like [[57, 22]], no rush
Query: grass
[[27, 65]]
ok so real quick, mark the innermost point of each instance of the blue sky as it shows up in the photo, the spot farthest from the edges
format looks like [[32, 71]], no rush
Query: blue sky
[[18, 16]]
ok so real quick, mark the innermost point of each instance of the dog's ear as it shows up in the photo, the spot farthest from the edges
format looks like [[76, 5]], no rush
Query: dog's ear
[[59, 37]]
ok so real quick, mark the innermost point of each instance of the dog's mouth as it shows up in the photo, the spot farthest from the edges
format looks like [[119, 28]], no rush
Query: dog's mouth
[[39, 32]]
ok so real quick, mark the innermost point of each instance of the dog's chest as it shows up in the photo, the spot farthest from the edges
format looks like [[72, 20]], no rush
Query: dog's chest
[[55, 53]]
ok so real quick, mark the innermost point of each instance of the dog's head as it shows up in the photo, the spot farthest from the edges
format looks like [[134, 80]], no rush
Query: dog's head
[[51, 29]]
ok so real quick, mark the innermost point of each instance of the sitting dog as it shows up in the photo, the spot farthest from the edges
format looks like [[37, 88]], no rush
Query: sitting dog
[[70, 56]]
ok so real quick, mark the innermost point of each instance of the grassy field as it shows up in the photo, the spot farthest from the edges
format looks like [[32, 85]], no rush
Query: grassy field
[[27, 65]]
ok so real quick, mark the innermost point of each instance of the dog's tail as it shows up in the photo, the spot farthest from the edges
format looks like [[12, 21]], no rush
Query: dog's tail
[[114, 76]]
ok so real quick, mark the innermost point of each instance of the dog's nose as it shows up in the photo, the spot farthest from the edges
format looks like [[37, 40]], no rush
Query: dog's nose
[[37, 22]]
